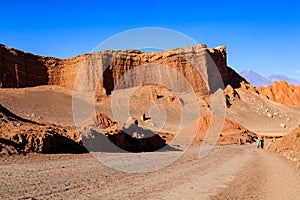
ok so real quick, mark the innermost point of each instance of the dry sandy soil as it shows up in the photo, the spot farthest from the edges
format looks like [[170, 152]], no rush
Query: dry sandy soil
[[54, 104], [228, 172]]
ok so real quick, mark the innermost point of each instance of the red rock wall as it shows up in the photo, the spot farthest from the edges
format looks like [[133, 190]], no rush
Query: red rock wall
[[20, 69]]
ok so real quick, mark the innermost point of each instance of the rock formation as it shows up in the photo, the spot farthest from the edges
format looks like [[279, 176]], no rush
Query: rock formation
[[19, 135], [131, 137], [122, 141], [231, 95], [20, 69], [232, 132], [282, 92], [99, 119]]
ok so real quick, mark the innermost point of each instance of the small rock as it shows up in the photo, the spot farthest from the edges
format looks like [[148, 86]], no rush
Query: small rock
[[171, 99], [282, 125]]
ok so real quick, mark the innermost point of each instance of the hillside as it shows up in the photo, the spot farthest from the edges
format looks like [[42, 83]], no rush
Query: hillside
[[288, 143], [289, 146]]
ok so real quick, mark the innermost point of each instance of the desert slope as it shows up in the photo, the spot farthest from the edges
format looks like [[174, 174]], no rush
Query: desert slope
[[289, 146], [290, 142], [260, 114]]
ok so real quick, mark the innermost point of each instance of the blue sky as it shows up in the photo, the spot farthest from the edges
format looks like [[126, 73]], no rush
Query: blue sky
[[263, 36]]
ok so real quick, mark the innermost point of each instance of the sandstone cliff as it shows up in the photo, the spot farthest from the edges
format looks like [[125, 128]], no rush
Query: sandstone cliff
[[21, 69]]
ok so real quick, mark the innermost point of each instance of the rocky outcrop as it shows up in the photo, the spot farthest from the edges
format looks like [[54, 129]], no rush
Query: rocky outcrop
[[232, 132], [122, 141], [131, 137], [281, 92], [20, 135], [20, 69], [229, 76], [231, 95], [100, 119]]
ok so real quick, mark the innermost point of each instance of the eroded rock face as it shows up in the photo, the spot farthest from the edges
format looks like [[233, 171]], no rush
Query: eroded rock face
[[121, 142], [98, 119], [20, 135], [131, 137], [20, 69], [282, 92], [231, 95], [232, 132]]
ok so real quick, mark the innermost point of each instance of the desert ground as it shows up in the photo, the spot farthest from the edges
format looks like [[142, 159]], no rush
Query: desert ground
[[228, 172]]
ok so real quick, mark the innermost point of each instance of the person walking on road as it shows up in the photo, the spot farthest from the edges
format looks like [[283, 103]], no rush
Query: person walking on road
[[258, 145], [262, 142]]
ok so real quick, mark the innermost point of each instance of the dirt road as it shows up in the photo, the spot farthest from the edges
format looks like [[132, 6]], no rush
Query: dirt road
[[228, 172], [268, 176]]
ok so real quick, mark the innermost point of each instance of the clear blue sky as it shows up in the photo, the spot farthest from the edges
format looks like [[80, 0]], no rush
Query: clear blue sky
[[263, 36]]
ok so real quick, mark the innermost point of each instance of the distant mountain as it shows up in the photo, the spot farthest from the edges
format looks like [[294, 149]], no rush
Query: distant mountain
[[255, 78], [280, 77]]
